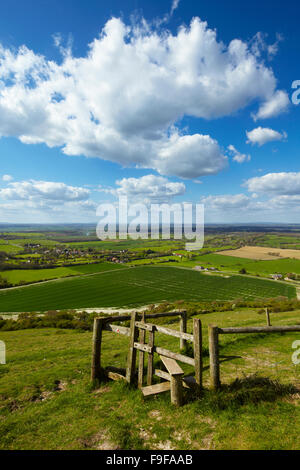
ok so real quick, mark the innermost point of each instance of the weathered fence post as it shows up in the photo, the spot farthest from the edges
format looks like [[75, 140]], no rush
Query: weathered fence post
[[197, 332], [131, 361], [150, 358], [141, 355], [268, 317], [213, 337], [96, 354], [183, 323], [176, 390]]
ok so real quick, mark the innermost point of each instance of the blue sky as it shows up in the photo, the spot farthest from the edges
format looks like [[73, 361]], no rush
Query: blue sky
[[161, 107]]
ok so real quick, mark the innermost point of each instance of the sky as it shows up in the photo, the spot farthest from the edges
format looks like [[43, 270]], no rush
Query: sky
[[162, 101]]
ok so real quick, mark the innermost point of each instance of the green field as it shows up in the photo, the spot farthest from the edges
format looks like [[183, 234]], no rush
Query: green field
[[232, 263], [137, 286], [47, 402], [35, 275]]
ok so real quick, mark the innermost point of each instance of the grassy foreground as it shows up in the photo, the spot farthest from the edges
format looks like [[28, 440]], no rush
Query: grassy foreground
[[137, 286], [47, 402]]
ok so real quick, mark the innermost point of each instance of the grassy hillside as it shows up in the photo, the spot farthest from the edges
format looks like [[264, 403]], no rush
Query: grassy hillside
[[137, 286], [46, 400]]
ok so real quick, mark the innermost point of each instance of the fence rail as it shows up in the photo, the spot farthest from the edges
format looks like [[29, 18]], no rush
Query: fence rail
[[213, 336]]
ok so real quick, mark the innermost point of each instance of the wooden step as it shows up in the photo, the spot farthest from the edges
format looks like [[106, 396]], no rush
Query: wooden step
[[172, 367], [155, 389]]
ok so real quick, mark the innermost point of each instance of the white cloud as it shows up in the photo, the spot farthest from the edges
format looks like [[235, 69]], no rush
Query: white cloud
[[121, 102], [174, 6], [285, 183], [237, 156], [262, 135], [7, 178], [226, 201], [43, 190], [148, 188], [276, 104]]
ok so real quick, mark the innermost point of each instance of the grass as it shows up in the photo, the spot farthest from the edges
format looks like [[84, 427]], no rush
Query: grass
[[234, 264], [34, 275], [137, 286], [47, 402]]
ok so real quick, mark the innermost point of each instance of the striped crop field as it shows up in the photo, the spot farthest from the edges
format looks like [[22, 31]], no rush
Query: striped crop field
[[137, 286]]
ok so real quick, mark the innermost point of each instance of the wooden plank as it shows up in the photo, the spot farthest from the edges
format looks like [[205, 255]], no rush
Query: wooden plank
[[214, 356], [163, 314], [259, 329], [96, 352], [145, 326], [144, 347], [155, 389], [197, 329], [115, 376], [162, 374], [113, 318], [150, 358], [122, 330], [176, 356], [183, 326], [166, 331], [171, 365], [176, 333], [131, 361], [141, 356]]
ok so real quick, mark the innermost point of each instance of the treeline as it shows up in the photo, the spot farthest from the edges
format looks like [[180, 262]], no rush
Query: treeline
[[83, 321]]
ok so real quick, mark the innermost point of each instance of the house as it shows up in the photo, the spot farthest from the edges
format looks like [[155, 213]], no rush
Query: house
[[276, 277]]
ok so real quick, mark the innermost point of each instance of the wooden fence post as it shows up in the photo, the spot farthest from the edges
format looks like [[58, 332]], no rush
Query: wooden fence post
[[131, 361], [197, 331], [176, 389], [141, 355], [150, 359], [214, 367], [268, 317], [183, 323], [96, 353]]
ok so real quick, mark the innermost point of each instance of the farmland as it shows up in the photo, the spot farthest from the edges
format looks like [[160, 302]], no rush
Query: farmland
[[262, 253], [137, 286], [16, 276]]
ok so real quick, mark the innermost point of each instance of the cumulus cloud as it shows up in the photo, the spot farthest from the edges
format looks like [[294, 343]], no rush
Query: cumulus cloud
[[276, 104], [285, 183], [262, 135], [123, 101], [237, 156], [148, 188], [7, 178], [43, 190]]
